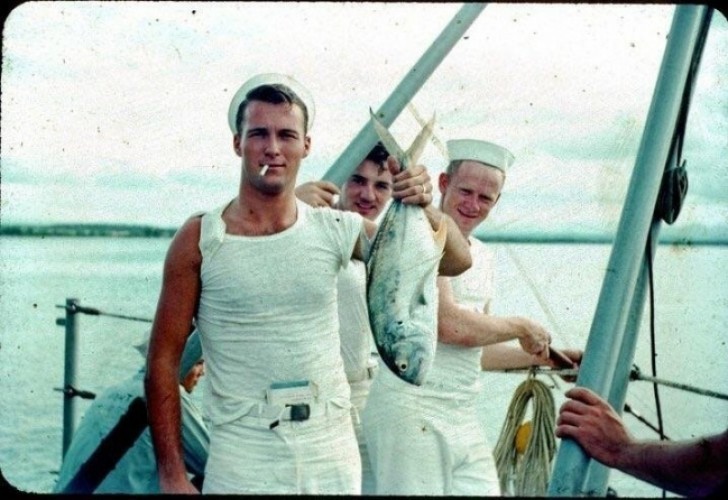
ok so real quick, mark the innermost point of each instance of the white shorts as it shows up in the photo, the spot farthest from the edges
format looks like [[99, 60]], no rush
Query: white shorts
[[315, 456], [420, 445], [359, 394]]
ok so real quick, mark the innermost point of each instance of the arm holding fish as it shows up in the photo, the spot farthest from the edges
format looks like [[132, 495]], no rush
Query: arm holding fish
[[317, 193], [413, 186], [175, 311]]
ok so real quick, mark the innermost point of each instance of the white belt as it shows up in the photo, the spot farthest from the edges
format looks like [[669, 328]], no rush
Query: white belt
[[295, 413]]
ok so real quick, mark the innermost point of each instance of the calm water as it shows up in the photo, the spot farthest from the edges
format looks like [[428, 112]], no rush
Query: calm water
[[556, 284]]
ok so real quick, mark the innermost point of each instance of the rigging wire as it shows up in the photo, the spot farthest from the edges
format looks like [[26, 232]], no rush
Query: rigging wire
[[92, 311], [653, 350]]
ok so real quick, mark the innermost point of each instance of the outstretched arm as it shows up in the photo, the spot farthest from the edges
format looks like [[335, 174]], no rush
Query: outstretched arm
[[694, 467], [175, 310], [457, 325]]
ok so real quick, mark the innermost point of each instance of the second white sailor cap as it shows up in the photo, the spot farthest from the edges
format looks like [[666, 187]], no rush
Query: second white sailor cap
[[269, 79], [480, 151]]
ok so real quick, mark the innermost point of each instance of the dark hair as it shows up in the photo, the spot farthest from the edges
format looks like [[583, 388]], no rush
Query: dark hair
[[274, 93], [378, 155]]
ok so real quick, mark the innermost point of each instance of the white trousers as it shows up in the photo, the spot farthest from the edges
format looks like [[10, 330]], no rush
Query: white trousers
[[422, 445], [316, 456], [359, 394]]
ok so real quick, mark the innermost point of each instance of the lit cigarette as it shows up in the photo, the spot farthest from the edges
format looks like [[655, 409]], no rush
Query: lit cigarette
[[263, 170]]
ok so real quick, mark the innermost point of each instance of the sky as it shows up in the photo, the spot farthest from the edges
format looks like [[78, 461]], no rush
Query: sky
[[116, 111]]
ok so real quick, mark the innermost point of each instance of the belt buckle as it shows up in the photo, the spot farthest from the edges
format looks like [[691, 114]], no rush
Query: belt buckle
[[300, 412]]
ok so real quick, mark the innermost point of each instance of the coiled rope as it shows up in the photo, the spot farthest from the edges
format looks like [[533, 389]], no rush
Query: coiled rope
[[525, 470]]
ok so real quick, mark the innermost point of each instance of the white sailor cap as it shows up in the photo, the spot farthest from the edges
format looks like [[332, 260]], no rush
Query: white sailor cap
[[480, 151], [270, 79]]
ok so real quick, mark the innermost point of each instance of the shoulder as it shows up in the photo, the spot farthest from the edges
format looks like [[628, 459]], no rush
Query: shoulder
[[190, 229], [184, 246], [329, 216]]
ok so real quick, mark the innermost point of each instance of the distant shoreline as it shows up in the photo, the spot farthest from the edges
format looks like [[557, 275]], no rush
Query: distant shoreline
[[146, 231], [87, 230]]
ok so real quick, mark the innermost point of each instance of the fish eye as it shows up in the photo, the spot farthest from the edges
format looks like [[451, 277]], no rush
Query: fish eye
[[403, 367]]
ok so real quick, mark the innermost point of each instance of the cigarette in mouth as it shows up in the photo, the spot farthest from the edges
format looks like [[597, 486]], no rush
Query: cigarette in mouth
[[263, 170]]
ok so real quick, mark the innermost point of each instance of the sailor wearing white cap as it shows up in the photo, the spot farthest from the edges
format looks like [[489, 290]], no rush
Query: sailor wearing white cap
[[446, 450], [480, 167], [298, 92], [260, 274], [483, 152]]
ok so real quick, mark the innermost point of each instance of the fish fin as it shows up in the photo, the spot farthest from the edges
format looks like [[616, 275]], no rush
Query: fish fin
[[388, 141], [435, 140], [418, 145]]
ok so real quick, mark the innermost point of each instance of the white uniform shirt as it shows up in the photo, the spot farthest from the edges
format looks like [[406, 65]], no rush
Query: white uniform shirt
[[455, 372], [354, 328], [268, 309]]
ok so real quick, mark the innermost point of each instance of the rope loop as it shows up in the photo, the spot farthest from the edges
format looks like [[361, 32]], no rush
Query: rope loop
[[525, 450]]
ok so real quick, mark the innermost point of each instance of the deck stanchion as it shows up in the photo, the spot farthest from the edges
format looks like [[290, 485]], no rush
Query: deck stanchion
[[69, 373]]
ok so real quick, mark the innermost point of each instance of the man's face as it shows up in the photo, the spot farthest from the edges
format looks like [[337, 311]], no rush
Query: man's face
[[367, 190], [470, 193], [273, 135], [193, 376]]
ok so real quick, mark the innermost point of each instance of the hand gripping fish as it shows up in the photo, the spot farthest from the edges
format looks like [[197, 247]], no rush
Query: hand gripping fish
[[401, 276]]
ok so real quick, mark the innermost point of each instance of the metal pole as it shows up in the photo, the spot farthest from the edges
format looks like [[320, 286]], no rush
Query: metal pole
[[404, 92], [598, 474], [615, 300], [69, 377]]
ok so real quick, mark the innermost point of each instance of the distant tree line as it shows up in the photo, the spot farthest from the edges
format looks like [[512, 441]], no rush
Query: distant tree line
[[110, 230], [688, 235]]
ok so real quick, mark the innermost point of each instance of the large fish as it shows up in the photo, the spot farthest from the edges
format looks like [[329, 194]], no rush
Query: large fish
[[401, 276]]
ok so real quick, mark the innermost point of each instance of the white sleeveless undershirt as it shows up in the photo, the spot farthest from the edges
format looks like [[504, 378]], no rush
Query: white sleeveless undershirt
[[268, 310], [455, 372]]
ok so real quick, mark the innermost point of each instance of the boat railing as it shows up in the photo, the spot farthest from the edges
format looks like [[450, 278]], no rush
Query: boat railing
[[70, 390]]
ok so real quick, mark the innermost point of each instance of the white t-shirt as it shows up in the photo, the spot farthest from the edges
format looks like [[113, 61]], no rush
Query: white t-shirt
[[268, 309], [455, 372], [356, 333]]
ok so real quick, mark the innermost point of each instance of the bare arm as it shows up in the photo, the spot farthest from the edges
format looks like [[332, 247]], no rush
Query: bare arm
[[317, 193], [175, 310], [691, 467], [456, 257], [413, 186], [465, 327], [506, 356]]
